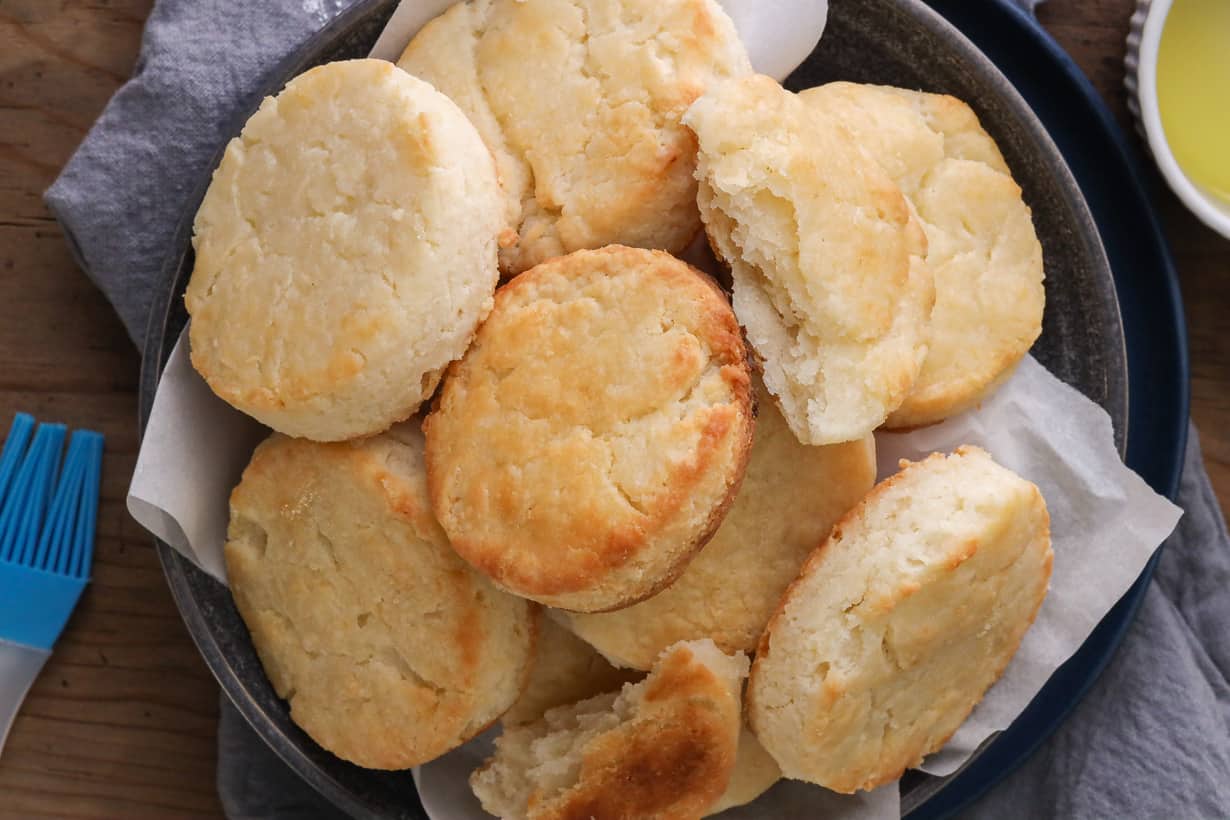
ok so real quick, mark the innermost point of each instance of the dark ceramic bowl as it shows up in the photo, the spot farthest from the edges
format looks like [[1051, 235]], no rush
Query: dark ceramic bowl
[[900, 42]]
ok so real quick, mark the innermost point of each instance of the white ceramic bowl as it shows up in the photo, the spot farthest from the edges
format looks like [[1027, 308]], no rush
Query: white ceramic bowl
[[1141, 80]]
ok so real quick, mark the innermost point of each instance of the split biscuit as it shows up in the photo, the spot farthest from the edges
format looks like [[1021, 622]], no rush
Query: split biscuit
[[345, 252], [568, 670], [901, 621], [596, 432], [827, 261], [662, 749], [579, 102], [389, 648], [981, 245]]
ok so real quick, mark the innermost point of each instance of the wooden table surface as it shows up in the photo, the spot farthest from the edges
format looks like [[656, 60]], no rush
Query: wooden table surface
[[122, 721]]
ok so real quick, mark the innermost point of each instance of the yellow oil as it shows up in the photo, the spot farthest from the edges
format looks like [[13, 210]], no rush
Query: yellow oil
[[1193, 90]]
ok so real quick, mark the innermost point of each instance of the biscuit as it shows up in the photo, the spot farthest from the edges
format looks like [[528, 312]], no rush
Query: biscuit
[[388, 647], [981, 245], [827, 262], [755, 773], [565, 670], [345, 252], [595, 433], [579, 102], [791, 497], [662, 748], [901, 621]]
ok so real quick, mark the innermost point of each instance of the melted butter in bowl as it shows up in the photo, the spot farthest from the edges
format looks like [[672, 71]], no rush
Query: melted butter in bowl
[[1178, 80], [1193, 90]]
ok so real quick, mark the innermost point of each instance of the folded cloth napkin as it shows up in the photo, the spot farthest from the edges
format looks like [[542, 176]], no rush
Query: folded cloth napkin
[[1151, 739]]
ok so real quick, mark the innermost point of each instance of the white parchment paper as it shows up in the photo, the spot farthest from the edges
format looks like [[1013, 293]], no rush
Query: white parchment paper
[[193, 453], [1105, 521]]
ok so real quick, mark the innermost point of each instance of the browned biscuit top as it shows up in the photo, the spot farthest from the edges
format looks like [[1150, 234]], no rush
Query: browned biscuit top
[[579, 102], [591, 439], [663, 749]]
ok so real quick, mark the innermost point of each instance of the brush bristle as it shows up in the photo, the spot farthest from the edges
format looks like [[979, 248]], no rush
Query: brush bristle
[[47, 519], [48, 514]]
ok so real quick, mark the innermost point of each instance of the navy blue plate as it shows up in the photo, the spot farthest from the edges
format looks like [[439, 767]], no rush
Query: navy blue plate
[[1090, 339], [1111, 175]]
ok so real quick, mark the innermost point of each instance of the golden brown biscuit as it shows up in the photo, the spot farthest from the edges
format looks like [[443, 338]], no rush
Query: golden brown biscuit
[[594, 435], [827, 262], [390, 650], [565, 670], [901, 621], [659, 750], [345, 252], [791, 497], [579, 102], [981, 244]]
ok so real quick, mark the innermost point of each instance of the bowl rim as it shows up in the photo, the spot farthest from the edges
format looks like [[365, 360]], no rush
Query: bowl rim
[[1206, 208]]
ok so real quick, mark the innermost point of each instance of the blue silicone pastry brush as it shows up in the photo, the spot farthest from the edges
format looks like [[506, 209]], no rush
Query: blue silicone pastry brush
[[47, 517]]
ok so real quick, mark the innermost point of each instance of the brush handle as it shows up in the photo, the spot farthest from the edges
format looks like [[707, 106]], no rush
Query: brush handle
[[19, 666]]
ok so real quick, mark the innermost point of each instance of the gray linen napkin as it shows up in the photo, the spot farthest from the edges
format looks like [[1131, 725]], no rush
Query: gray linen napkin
[[1151, 739], [123, 192]]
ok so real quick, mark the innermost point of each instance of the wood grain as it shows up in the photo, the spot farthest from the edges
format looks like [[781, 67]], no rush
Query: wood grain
[[122, 722]]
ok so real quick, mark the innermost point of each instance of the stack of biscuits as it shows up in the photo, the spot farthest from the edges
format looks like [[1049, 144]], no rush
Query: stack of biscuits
[[528, 466]]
